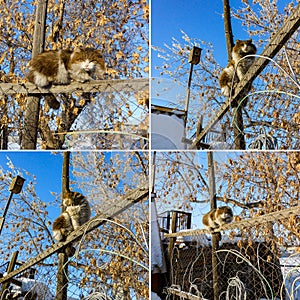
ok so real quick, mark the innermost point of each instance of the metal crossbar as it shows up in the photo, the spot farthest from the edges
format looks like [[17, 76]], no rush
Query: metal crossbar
[[124, 203], [277, 42], [271, 217], [124, 85]]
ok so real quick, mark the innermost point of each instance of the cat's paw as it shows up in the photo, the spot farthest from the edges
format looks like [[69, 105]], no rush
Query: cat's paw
[[73, 210], [62, 81], [225, 91]]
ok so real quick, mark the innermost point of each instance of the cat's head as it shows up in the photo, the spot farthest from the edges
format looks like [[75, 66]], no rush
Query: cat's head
[[244, 47], [68, 199], [90, 60], [73, 198], [225, 214]]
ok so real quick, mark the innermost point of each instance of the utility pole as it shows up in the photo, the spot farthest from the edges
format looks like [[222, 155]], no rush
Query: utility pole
[[215, 236], [31, 118], [62, 268]]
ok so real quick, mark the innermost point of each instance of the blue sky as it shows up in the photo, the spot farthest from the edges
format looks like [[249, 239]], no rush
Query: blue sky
[[45, 166], [200, 19]]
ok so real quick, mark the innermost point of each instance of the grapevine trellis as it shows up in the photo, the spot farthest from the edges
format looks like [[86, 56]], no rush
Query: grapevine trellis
[[251, 264], [39, 273], [281, 40], [114, 101]]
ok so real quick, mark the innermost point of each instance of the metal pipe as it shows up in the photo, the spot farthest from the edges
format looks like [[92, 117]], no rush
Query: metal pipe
[[2, 219]]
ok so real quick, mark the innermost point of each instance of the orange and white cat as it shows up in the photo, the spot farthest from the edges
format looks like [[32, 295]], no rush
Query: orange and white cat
[[238, 66], [218, 217], [62, 66]]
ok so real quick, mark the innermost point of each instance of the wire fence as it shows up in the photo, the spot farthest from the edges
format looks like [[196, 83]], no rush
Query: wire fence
[[257, 261]]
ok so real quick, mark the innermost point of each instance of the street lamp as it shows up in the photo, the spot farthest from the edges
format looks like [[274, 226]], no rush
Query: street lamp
[[194, 59], [14, 188]]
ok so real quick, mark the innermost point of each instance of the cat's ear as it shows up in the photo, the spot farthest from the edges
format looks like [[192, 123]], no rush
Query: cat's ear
[[99, 53], [78, 49]]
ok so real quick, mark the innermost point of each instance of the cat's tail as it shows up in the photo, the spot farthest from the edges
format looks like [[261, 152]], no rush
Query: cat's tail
[[70, 250]]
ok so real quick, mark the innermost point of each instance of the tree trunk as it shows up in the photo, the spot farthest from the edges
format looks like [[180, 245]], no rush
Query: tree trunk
[[62, 270], [66, 173], [238, 128], [228, 29], [4, 131], [31, 119], [238, 125], [215, 236]]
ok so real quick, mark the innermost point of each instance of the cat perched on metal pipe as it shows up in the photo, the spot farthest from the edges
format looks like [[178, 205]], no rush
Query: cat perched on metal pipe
[[62, 66], [238, 66], [77, 213]]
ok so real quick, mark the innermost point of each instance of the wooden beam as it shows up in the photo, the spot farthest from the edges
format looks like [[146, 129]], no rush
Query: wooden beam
[[276, 43], [10, 268], [270, 217], [120, 206], [109, 86]]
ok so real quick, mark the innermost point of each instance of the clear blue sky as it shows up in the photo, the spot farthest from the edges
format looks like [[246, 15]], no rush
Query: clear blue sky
[[44, 165], [199, 19]]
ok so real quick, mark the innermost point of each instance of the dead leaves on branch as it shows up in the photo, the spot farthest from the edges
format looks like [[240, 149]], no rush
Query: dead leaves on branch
[[119, 28]]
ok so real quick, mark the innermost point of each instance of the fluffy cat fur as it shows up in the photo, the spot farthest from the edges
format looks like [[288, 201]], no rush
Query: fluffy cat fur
[[77, 213], [237, 67], [62, 66], [78, 207], [216, 218], [62, 226]]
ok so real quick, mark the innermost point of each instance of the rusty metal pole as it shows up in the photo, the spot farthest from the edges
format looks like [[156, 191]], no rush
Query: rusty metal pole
[[14, 188], [194, 59]]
